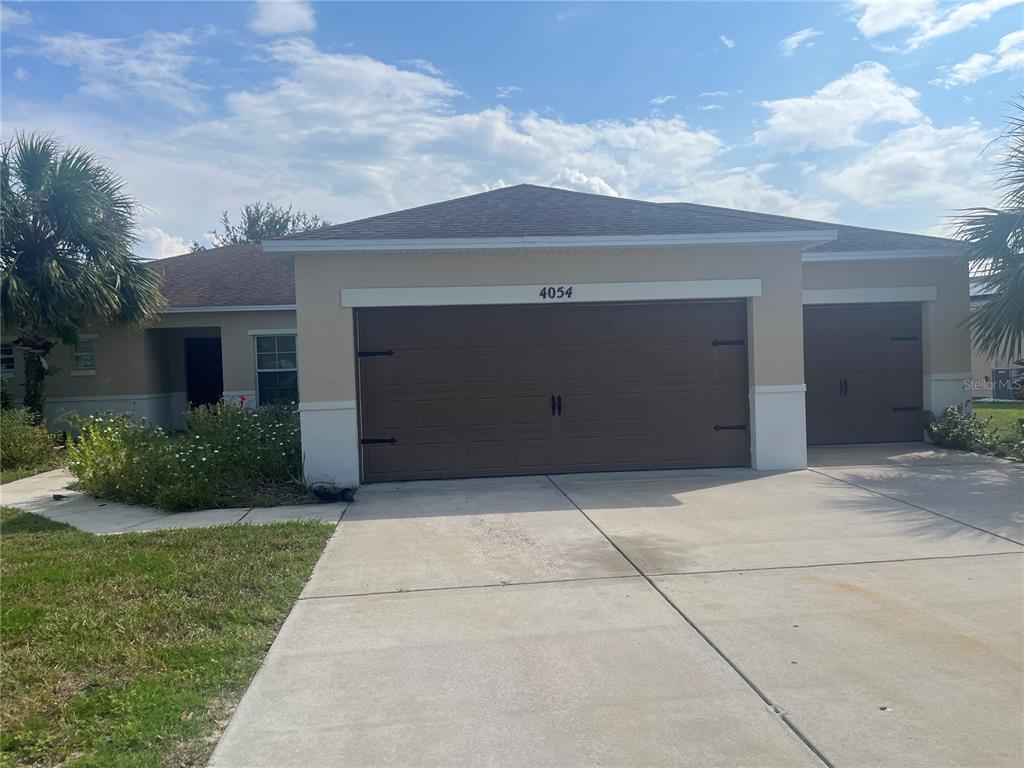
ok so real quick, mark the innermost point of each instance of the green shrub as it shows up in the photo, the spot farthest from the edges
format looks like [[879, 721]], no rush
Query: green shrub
[[6, 398], [227, 456], [1013, 445], [961, 430], [24, 441]]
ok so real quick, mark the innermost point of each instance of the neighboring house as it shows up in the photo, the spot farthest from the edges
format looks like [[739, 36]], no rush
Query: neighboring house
[[536, 330], [991, 377], [228, 331]]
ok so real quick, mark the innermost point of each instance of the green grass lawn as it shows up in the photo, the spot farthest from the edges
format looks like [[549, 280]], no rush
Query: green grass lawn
[[10, 475], [132, 650], [1004, 415]]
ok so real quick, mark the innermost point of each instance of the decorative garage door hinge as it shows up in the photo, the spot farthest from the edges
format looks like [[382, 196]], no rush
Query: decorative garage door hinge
[[899, 408], [730, 427], [728, 343], [378, 441], [376, 353]]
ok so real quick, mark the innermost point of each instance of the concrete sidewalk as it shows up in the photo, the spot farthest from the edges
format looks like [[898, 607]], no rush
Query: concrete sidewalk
[[866, 612], [37, 494]]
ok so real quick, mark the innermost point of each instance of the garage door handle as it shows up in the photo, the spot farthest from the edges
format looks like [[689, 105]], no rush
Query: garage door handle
[[553, 405], [730, 428], [559, 405]]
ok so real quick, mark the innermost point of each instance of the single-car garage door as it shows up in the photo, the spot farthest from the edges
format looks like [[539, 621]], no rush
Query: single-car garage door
[[531, 389], [862, 365]]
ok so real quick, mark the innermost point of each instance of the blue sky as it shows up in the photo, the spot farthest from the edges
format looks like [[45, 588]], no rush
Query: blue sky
[[867, 112]]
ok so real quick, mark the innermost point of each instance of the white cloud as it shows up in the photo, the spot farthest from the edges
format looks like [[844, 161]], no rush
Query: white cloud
[[662, 99], [713, 95], [9, 17], [348, 136], [575, 179], [919, 163], [422, 65], [926, 19], [1008, 56], [831, 117], [21, 74], [282, 17], [506, 91], [728, 42], [708, 107], [151, 67], [788, 45], [154, 243]]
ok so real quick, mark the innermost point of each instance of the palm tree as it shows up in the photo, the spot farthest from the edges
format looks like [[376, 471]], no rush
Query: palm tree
[[67, 229], [994, 241]]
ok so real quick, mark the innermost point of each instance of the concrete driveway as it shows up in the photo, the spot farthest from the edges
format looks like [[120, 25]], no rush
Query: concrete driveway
[[866, 612]]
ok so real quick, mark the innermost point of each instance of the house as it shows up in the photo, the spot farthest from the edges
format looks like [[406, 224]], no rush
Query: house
[[991, 377], [223, 305], [537, 330]]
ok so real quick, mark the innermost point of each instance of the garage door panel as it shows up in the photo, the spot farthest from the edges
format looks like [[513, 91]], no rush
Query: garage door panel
[[863, 370], [467, 391]]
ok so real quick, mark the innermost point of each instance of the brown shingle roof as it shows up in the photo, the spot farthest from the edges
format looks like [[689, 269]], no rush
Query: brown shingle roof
[[229, 276], [849, 239], [528, 210]]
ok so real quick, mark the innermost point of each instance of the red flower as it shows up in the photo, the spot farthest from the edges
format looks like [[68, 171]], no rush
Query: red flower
[[241, 399]]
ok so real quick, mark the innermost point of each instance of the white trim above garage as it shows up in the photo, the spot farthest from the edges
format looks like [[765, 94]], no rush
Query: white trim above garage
[[564, 293], [903, 253], [870, 295]]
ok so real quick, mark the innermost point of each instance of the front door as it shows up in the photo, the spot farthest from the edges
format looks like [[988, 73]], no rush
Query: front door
[[204, 373]]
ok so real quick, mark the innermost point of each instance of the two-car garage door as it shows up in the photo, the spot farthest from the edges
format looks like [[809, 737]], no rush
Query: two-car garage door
[[530, 389]]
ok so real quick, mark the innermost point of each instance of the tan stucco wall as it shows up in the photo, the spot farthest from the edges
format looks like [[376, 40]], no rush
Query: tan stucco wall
[[132, 361], [945, 340], [326, 334]]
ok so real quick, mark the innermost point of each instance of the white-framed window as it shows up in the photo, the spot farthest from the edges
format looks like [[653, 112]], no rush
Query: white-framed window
[[277, 370], [7, 358], [83, 357]]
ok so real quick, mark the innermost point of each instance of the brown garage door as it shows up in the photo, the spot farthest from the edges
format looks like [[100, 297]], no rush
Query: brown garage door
[[862, 365], [514, 390]]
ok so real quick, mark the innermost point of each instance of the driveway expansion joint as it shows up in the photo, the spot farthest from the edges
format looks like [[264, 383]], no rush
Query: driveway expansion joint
[[456, 587], [757, 569], [915, 506], [774, 708]]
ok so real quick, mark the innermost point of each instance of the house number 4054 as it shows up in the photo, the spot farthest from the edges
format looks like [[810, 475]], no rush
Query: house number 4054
[[556, 292]]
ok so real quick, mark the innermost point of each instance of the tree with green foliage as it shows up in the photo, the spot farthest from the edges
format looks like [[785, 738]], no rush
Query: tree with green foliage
[[261, 221], [994, 241], [67, 233]]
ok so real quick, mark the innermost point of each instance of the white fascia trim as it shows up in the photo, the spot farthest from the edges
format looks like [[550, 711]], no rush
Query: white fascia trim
[[329, 405], [112, 398], [907, 253], [762, 389], [505, 243], [869, 295], [463, 295], [248, 308], [275, 332]]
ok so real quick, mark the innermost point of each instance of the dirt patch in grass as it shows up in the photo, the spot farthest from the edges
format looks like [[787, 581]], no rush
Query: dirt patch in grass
[[132, 650]]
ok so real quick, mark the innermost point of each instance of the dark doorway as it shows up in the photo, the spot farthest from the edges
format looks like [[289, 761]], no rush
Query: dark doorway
[[204, 373]]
